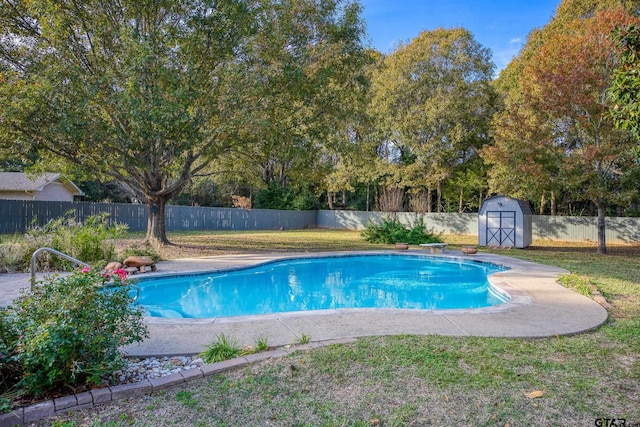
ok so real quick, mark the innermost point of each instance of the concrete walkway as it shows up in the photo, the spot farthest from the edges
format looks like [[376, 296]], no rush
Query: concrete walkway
[[539, 307]]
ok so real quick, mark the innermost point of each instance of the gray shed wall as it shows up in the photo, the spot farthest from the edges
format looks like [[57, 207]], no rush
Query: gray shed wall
[[505, 222]]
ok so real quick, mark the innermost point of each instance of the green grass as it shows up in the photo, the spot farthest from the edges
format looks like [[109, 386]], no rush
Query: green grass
[[186, 398], [222, 348], [580, 284], [304, 339], [277, 241], [423, 380]]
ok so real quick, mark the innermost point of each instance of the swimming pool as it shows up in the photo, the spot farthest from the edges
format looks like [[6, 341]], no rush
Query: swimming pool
[[336, 282]]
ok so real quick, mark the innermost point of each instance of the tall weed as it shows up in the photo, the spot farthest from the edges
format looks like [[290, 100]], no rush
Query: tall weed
[[12, 255], [221, 349]]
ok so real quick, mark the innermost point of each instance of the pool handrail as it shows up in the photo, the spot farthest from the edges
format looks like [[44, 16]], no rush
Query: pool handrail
[[55, 252]]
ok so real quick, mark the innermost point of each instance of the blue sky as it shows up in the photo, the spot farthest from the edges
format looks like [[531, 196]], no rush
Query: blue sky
[[500, 25]]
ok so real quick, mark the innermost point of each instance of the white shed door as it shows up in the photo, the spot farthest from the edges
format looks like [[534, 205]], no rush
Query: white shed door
[[501, 228]]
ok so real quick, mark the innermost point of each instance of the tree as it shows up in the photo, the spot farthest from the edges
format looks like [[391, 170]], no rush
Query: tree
[[521, 164], [350, 152], [625, 87], [432, 99], [306, 66], [567, 138], [150, 92], [127, 89]]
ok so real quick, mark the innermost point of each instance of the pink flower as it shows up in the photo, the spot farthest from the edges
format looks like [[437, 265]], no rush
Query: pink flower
[[122, 274], [86, 269]]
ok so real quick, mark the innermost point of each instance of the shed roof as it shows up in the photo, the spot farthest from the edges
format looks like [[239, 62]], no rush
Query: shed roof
[[525, 207], [18, 181]]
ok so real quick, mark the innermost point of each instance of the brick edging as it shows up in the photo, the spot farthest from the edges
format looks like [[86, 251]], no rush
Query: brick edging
[[91, 398]]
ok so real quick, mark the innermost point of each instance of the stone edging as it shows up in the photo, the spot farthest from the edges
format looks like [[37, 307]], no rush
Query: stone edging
[[91, 398]]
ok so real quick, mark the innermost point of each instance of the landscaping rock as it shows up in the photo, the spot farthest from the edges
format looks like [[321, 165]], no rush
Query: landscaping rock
[[140, 262], [112, 266], [132, 270]]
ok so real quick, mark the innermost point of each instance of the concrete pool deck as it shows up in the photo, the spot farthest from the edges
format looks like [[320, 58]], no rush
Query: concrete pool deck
[[539, 307]]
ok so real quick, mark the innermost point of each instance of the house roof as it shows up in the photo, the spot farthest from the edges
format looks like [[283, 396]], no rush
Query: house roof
[[18, 181]]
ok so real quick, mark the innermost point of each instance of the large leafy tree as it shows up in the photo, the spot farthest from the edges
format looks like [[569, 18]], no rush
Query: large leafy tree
[[150, 92], [521, 165], [625, 88], [131, 89], [306, 68], [350, 152], [432, 99], [518, 166], [568, 81], [555, 130]]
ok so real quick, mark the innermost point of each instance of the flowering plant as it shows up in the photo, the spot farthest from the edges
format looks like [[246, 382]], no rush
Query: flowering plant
[[122, 274], [67, 331], [118, 276]]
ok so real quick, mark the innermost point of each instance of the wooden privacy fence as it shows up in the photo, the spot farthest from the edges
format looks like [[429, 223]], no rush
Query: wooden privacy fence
[[17, 215]]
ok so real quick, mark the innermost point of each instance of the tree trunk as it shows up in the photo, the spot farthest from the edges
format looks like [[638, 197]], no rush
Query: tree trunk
[[543, 201], [368, 195], [330, 199], [460, 205], [439, 198], [156, 229], [267, 170], [602, 242], [429, 200], [283, 175], [554, 208]]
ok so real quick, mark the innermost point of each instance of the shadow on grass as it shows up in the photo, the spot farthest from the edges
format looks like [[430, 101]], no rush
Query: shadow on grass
[[623, 250]]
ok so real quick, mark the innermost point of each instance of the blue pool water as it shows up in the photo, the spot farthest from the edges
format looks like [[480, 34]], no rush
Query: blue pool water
[[367, 281]]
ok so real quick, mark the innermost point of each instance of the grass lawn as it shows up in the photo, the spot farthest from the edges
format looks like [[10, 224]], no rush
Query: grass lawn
[[415, 380]]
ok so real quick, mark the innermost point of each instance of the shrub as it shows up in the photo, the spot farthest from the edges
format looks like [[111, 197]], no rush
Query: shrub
[[90, 241], [67, 331], [13, 254], [10, 373], [393, 231]]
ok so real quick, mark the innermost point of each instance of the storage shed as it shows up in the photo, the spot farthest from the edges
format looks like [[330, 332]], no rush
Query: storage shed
[[505, 223]]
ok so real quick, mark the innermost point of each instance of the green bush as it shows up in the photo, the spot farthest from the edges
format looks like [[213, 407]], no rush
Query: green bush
[[392, 231], [91, 241], [10, 372], [67, 331]]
